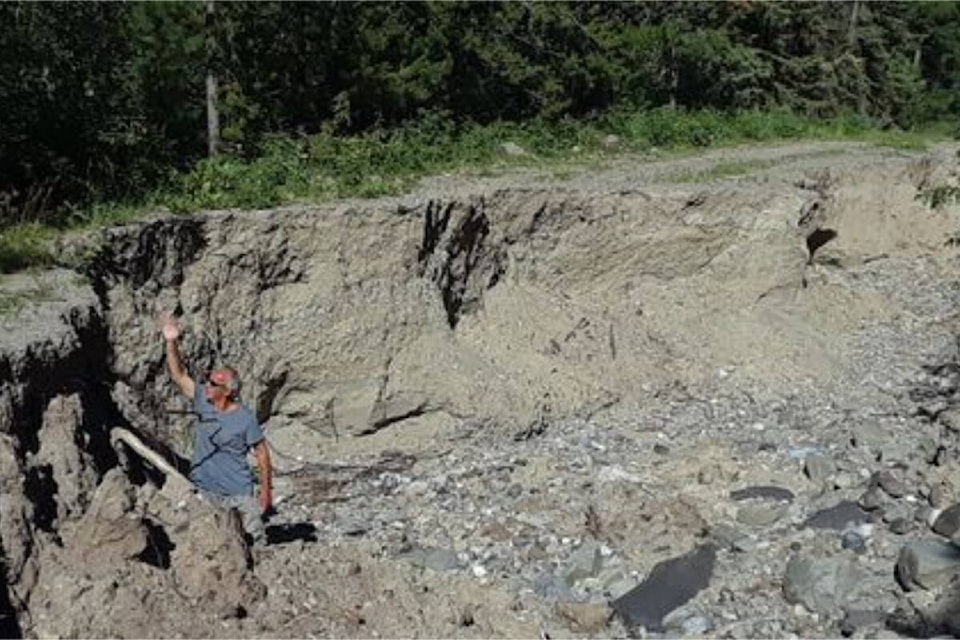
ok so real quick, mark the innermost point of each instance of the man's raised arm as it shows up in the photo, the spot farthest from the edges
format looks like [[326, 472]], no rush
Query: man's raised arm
[[171, 333]]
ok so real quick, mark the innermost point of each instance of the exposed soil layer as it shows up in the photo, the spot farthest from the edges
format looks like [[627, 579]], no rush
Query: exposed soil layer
[[510, 406]]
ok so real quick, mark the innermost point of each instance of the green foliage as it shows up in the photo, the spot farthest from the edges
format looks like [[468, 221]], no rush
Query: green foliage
[[382, 162], [225, 181], [672, 64], [65, 93], [25, 245], [104, 102], [940, 196]]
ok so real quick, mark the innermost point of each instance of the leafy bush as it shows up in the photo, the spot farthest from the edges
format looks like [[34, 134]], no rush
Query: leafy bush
[[25, 246]]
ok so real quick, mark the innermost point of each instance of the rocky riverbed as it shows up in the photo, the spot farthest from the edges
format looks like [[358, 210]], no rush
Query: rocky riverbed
[[627, 401]]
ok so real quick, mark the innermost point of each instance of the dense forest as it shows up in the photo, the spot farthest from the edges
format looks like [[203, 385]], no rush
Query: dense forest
[[106, 101]]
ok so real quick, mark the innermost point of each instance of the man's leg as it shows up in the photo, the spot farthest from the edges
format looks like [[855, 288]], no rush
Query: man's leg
[[249, 510]]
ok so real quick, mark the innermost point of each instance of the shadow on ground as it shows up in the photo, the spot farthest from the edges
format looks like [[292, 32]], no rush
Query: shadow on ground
[[290, 532]]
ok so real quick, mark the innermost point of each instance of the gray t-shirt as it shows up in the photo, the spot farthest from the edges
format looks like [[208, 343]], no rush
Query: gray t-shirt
[[220, 445]]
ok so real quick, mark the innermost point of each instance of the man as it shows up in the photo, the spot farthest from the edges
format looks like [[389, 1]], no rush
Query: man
[[225, 431]]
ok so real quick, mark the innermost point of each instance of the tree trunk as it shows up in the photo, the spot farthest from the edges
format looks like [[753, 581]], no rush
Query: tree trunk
[[673, 80], [855, 51], [213, 116], [213, 113], [852, 29]]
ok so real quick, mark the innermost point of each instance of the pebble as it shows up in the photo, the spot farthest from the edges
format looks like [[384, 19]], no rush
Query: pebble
[[842, 515], [871, 499], [853, 541], [901, 526], [890, 482], [819, 468]]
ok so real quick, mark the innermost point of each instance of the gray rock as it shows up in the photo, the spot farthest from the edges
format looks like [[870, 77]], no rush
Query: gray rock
[[819, 468], [858, 618], [933, 407], [548, 585], [620, 587], [901, 526], [838, 517], [688, 622], [896, 512], [927, 564], [586, 562], [744, 544], [439, 560], [939, 497], [696, 625], [354, 527], [820, 584], [609, 576], [802, 452], [870, 436], [846, 480], [929, 449], [611, 142], [671, 583], [762, 492], [871, 499], [891, 482], [760, 515], [925, 514], [882, 442], [728, 537], [511, 149], [929, 616], [948, 522], [853, 541]]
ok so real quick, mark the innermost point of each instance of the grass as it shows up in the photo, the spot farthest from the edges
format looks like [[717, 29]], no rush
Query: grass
[[725, 170], [326, 166], [25, 245]]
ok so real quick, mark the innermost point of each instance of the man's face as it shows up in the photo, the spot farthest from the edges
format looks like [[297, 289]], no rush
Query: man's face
[[216, 386]]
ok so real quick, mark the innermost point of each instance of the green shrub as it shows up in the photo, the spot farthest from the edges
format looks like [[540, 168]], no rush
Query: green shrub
[[25, 245]]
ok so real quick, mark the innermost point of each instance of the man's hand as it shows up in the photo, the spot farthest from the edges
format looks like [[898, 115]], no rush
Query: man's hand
[[169, 326], [171, 333]]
